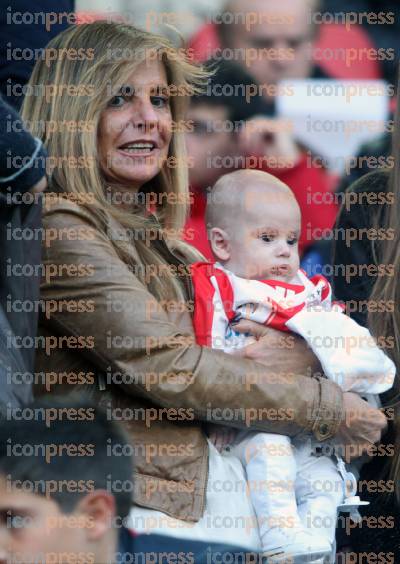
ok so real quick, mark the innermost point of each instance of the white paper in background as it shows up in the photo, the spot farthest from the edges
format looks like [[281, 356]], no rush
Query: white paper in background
[[334, 117]]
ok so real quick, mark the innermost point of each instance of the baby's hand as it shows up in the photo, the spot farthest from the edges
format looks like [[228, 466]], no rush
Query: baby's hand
[[221, 436]]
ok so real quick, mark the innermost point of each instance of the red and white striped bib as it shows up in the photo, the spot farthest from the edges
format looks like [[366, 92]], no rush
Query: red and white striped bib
[[220, 297]]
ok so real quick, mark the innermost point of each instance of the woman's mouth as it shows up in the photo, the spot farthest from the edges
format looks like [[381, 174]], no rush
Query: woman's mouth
[[138, 148]]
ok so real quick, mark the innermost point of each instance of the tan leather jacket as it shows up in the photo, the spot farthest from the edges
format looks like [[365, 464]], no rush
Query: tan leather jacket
[[104, 332]]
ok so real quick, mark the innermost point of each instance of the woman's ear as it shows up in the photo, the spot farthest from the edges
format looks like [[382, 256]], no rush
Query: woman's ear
[[220, 244]]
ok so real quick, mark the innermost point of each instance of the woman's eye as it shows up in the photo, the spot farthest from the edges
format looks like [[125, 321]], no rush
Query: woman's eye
[[160, 101], [267, 238], [117, 101], [292, 241]]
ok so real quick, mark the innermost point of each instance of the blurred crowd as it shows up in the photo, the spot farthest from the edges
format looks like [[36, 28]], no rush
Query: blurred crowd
[[234, 123]]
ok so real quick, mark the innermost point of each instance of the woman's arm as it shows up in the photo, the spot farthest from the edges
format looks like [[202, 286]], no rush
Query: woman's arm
[[362, 425], [132, 334]]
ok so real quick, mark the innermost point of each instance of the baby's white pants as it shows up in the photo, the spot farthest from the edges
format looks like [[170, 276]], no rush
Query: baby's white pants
[[289, 486]]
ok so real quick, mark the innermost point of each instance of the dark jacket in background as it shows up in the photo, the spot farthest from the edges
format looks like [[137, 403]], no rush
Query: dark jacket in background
[[18, 31], [22, 165], [378, 153], [380, 533], [363, 214], [152, 548]]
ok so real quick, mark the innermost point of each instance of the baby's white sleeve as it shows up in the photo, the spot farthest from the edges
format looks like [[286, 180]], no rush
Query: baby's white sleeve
[[348, 353]]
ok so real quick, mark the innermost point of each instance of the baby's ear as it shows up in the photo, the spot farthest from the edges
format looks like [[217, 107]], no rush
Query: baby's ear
[[220, 244]]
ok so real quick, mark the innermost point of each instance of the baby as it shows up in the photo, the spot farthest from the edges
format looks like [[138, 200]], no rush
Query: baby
[[254, 224]]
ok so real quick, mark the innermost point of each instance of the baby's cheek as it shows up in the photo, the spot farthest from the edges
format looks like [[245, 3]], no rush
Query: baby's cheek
[[296, 261]]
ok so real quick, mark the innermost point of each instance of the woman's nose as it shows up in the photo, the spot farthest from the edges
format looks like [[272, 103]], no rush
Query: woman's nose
[[144, 115]]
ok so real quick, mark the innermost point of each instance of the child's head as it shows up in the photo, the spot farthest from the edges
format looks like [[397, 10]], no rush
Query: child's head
[[214, 114], [254, 222], [60, 483]]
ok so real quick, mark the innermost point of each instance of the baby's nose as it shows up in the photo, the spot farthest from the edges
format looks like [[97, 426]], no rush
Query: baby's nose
[[283, 249]]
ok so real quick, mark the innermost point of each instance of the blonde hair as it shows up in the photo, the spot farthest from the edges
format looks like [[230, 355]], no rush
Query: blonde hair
[[90, 71], [386, 289]]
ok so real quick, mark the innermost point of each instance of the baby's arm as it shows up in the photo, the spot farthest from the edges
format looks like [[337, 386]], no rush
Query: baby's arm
[[348, 353]]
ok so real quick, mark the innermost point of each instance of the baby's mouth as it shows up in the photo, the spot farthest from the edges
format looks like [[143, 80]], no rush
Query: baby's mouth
[[280, 270]]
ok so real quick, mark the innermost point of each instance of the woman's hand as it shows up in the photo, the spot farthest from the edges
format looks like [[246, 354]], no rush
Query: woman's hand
[[362, 424], [221, 436], [268, 340]]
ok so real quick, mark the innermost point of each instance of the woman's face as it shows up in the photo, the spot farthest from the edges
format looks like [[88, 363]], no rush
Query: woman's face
[[136, 127]]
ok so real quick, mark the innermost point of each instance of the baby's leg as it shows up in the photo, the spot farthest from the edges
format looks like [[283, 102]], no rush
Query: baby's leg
[[271, 475], [319, 490]]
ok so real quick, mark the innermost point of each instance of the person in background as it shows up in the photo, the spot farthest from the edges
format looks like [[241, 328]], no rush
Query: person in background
[[69, 495], [367, 273], [25, 30], [60, 500], [214, 121], [227, 131], [22, 179], [281, 40]]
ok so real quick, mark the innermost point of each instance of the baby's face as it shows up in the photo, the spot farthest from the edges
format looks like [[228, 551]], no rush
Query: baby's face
[[264, 238]]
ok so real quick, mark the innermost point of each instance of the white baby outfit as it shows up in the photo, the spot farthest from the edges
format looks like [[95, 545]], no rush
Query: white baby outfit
[[291, 487]]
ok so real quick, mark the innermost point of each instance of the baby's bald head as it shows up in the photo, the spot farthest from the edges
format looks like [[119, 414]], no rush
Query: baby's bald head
[[254, 222], [235, 196]]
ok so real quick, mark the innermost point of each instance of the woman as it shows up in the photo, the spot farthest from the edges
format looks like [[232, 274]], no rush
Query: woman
[[367, 274], [117, 293]]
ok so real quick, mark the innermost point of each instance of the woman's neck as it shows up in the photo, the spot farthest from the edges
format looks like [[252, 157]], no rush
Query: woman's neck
[[125, 197]]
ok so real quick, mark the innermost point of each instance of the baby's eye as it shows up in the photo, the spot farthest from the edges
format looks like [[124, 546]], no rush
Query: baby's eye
[[267, 238], [292, 241], [295, 43]]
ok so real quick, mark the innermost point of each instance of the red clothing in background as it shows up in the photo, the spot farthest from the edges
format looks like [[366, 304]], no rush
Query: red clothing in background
[[313, 188]]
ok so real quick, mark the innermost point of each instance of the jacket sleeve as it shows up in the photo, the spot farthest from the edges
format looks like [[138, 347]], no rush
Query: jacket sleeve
[[22, 157], [127, 331]]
